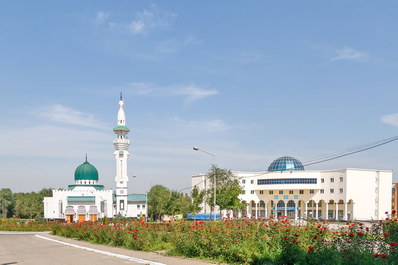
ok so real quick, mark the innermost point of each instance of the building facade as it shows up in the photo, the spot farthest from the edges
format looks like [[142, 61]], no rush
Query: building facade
[[87, 200], [287, 189]]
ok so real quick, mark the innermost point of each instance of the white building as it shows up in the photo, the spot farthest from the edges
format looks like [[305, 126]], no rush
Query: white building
[[87, 200], [286, 189]]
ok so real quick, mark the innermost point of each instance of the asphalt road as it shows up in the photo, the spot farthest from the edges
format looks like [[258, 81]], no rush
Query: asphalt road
[[42, 249]]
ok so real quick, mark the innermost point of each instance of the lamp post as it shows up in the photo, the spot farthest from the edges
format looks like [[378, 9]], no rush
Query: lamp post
[[214, 177]]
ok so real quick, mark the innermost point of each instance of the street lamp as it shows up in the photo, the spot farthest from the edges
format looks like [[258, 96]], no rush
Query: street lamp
[[214, 176]]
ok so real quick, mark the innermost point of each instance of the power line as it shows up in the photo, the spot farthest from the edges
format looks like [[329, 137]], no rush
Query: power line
[[351, 151]]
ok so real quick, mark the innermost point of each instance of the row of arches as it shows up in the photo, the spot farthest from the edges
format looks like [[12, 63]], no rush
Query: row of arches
[[294, 209]]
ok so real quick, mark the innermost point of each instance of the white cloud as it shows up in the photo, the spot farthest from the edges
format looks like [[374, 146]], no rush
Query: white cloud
[[391, 119], [62, 114], [188, 92], [209, 126], [348, 53], [151, 19], [101, 17], [192, 93], [55, 141]]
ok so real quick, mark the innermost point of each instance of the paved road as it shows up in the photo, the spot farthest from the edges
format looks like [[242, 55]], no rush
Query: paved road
[[35, 249]]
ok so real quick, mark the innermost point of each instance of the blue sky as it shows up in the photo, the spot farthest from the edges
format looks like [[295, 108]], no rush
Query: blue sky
[[248, 81]]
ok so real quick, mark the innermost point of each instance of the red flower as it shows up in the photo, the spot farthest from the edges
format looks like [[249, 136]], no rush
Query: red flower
[[310, 249], [383, 256], [135, 237], [394, 211], [385, 235], [351, 235], [376, 255], [360, 234], [393, 244], [315, 237]]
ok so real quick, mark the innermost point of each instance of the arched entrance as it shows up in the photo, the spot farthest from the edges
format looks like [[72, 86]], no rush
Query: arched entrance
[[291, 209], [69, 214], [262, 209], [81, 214], [280, 208]]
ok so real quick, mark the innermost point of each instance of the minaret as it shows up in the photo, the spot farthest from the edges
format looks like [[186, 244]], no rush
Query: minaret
[[121, 153]]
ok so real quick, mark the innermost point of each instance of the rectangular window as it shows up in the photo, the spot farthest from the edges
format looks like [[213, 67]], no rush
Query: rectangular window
[[271, 192], [301, 191], [331, 179], [322, 191], [281, 192], [261, 192], [322, 180], [295, 197], [285, 197], [251, 181], [290, 192], [287, 181], [122, 205], [143, 206], [243, 181], [312, 191], [341, 190], [331, 190], [243, 192], [275, 197], [341, 179], [252, 192], [138, 206]]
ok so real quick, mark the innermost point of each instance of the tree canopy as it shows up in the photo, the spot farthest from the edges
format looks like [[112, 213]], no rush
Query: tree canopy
[[228, 189]]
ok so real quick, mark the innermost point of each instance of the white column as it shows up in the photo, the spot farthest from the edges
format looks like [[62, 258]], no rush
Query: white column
[[256, 210], [285, 209], [295, 210], [352, 212], [316, 210], [305, 210], [345, 211], [336, 215], [247, 210], [265, 210], [326, 211]]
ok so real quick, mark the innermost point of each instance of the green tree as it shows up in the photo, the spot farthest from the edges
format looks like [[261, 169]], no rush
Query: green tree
[[197, 199], [158, 200], [6, 203], [30, 205], [228, 189]]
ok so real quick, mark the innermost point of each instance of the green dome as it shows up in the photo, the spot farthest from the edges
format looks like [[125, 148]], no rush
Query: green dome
[[86, 171]]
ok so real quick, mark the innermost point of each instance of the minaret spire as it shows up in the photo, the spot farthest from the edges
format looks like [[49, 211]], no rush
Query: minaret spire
[[121, 153]]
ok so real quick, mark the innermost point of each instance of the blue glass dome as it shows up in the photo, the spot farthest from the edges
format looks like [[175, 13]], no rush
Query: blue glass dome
[[286, 163]]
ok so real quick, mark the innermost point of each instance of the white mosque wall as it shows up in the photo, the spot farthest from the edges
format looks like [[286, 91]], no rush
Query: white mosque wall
[[55, 206], [137, 209]]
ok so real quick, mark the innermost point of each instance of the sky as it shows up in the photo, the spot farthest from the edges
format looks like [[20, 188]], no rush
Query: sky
[[247, 81]]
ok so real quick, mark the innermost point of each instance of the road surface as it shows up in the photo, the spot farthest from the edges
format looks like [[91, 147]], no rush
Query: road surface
[[41, 248]]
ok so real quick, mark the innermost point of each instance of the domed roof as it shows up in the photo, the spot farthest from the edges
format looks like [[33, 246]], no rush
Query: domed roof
[[286, 163], [86, 171]]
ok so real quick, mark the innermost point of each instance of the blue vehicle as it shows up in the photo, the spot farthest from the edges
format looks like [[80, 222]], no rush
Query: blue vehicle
[[203, 216]]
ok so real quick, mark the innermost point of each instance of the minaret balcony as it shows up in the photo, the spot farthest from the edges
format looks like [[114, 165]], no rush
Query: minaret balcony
[[121, 145]]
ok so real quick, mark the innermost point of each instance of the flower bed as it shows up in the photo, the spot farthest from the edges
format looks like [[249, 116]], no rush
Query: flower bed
[[242, 241], [250, 241], [13, 224]]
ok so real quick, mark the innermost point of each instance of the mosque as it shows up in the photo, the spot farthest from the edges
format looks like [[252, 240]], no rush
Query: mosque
[[87, 200], [287, 189]]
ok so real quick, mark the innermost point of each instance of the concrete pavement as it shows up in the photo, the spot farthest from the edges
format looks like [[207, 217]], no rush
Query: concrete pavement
[[41, 248]]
